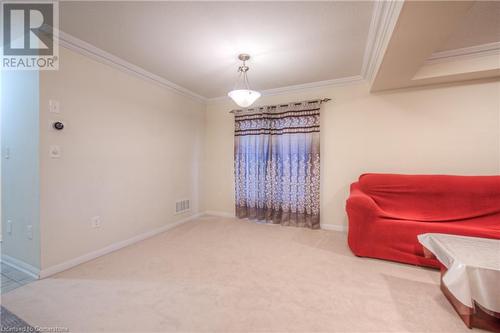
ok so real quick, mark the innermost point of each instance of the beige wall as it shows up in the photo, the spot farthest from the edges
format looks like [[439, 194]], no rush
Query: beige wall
[[130, 149], [443, 130]]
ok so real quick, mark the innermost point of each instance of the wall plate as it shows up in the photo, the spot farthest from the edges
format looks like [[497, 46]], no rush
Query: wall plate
[[54, 106], [55, 151]]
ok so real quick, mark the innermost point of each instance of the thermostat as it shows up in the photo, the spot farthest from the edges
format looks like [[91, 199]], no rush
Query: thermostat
[[58, 125]]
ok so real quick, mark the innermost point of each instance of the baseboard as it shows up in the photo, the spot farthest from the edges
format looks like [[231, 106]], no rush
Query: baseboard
[[334, 227], [111, 248], [20, 265], [218, 213]]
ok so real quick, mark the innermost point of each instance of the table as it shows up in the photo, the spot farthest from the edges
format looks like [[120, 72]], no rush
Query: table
[[470, 276]]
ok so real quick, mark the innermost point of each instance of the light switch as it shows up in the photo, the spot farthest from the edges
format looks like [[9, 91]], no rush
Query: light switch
[[7, 153], [54, 106], [29, 231], [55, 151], [9, 227]]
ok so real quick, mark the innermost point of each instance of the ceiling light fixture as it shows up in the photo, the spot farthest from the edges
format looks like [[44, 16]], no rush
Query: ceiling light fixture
[[242, 94]]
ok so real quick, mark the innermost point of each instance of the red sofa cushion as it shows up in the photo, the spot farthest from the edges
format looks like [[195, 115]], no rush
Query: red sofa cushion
[[434, 198]]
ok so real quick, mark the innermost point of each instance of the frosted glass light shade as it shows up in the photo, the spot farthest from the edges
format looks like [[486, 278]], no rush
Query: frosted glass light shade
[[244, 97]]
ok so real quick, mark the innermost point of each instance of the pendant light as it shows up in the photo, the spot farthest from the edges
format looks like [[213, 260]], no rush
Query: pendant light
[[242, 94]]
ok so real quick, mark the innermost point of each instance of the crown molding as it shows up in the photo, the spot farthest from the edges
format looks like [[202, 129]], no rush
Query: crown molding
[[75, 44], [384, 18], [340, 82], [464, 53]]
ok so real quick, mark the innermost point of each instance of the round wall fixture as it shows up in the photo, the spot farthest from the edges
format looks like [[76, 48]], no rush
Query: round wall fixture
[[58, 125]]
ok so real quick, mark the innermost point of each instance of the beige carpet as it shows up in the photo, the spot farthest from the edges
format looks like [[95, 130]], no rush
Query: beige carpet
[[226, 275]]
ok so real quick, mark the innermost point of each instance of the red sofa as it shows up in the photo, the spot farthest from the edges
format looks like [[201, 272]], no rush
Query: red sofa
[[387, 211]]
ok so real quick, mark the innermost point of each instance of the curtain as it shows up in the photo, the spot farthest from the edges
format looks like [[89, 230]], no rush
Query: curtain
[[277, 164]]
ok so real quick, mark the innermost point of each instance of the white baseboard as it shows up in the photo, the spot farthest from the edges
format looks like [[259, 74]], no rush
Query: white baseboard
[[218, 213], [334, 227], [111, 248], [28, 269]]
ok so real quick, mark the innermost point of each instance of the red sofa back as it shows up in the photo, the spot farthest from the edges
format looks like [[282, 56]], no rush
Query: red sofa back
[[436, 198]]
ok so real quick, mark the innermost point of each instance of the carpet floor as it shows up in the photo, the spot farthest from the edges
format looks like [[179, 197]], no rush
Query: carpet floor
[[226, 275], [9, 322]]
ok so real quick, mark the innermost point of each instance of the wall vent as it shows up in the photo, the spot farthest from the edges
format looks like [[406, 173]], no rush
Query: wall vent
[[182, 206]]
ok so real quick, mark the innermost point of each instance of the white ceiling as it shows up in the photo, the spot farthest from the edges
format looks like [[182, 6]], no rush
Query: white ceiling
[[195, 44], [481, 25]]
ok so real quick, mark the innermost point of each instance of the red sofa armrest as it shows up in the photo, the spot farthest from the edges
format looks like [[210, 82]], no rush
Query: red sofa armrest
[[360, 200], [362, 211]]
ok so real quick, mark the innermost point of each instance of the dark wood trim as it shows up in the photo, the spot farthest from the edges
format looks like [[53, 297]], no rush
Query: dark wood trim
[[462, 310], [472, 317]]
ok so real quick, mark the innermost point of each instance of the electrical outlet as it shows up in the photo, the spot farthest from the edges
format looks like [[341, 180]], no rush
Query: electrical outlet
[[96, 222], [9, 227], [6, 153], [29, 231]]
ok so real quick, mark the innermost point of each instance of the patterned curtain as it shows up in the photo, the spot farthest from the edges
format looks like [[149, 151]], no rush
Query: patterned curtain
[[276, 163]]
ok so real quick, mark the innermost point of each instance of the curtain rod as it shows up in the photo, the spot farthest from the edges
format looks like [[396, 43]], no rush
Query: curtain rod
[[324, 100]]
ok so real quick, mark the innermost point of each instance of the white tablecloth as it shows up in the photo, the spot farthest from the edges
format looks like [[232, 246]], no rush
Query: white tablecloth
[[473, 267]]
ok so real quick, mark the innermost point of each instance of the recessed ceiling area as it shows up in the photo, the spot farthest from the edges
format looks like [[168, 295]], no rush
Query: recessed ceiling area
[[195, 44], [458, 42], [481, 25]]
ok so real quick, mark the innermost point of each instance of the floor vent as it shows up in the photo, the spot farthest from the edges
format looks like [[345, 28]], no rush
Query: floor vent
[[181, 206]]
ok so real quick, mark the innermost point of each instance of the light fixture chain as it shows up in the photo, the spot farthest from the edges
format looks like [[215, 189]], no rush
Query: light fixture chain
[[245, 80]]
